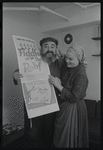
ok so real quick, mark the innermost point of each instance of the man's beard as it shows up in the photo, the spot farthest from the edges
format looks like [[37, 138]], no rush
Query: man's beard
[[48, 58]]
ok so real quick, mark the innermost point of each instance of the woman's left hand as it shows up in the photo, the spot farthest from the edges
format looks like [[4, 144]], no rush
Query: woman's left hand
[[55, 81]]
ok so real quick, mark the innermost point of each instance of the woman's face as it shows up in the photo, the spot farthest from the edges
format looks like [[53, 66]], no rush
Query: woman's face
[[71, 60]]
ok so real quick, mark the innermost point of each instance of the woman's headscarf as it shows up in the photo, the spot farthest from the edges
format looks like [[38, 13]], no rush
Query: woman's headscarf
[[78, 50]]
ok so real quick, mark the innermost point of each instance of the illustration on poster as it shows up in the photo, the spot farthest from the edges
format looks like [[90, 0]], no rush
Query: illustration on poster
[[38, 92], [30, 53], [29, 68]]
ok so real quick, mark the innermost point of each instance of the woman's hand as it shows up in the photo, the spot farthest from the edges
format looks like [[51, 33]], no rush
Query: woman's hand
[[59, 54], [56, 82], [17, 76]]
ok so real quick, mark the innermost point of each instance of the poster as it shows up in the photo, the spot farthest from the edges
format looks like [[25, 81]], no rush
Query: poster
[[39, 94]]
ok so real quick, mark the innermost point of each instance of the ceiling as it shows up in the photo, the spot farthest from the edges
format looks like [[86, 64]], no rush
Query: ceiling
[[50, 5]]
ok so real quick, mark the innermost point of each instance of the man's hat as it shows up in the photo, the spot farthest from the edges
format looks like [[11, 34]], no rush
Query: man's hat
[[44, 40]]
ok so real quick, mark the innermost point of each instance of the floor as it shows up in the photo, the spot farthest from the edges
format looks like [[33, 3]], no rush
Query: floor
[[22, 143]]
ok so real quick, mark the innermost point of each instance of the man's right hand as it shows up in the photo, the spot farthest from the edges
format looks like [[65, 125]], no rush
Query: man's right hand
[[17, 76]]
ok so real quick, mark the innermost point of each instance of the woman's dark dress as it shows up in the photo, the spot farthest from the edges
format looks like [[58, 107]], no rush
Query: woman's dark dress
[[71, 126]]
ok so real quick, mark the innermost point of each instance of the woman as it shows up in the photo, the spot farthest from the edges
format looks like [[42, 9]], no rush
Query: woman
[[71, 126]]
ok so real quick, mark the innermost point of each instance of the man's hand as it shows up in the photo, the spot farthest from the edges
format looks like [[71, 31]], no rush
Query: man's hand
[[17, 76]]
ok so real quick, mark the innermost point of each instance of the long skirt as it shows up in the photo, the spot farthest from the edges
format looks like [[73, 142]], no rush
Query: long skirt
[[71, 126]]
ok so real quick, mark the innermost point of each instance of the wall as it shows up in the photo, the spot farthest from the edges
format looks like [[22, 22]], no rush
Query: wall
[[82, 36], [76, 15], [21, 23]]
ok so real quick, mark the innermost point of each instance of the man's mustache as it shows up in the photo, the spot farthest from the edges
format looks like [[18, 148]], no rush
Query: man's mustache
[[49, 52]]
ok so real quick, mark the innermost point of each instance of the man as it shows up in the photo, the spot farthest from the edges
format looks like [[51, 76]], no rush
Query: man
[[43, 126]]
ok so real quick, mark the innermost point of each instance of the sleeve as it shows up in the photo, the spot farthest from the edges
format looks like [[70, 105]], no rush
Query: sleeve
[[78, 91], [15, 81]]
